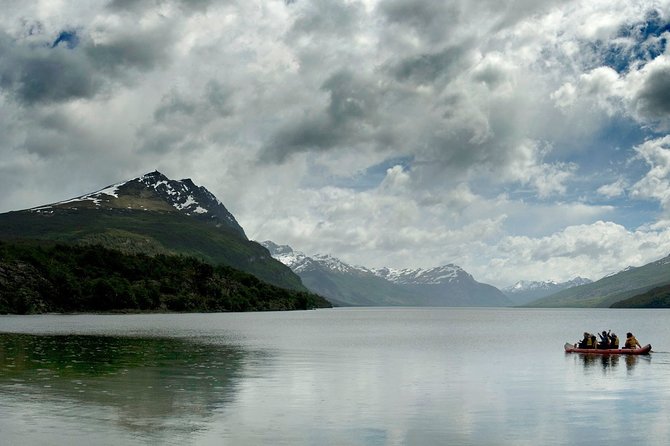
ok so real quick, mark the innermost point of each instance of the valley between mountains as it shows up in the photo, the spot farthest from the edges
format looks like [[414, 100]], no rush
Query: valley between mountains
[[156, 244]]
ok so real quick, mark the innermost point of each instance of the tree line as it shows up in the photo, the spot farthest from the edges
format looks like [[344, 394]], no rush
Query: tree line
[[36, 277]]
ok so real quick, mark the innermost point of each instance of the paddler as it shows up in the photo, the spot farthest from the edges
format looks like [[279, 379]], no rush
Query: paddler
[[631, 341], [588, 341], [614, 341], [604, 340]]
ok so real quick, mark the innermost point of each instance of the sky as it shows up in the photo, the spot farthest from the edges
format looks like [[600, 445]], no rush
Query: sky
[[519, 139]]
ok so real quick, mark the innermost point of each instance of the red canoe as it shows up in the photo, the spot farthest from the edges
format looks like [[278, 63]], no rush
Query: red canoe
[[569, 348]]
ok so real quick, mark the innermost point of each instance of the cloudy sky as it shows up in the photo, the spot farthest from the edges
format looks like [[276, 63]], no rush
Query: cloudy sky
[[519, 139]]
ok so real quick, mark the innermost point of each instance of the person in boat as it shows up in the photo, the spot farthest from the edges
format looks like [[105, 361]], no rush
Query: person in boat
[[631, 341], [588, 341], [604, 340], [614, 340]]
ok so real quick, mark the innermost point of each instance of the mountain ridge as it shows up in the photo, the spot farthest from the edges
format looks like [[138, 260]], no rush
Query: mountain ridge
[[447, 285], [182, 195], [612, 288], [525, 291], [151, 214]]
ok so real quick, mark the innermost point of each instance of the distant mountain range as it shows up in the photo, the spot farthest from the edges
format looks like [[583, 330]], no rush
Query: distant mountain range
[[151, 214], [344, 284], [449, 285], [621, 289], [524, 292]]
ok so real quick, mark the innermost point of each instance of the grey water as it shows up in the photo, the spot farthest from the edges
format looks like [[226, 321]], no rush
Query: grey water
[[357, 376]]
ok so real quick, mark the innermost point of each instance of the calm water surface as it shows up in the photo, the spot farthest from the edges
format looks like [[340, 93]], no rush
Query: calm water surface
[[383, 376]]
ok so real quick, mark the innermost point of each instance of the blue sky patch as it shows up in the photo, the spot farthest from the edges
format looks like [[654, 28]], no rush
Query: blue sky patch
[[68, 38], [635, 43]]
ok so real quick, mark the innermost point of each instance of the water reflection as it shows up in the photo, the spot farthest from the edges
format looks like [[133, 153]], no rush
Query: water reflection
[[609, 362], [154, 387]]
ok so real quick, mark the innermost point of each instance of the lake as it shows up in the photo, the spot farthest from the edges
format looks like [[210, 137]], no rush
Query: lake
[[345, 376]]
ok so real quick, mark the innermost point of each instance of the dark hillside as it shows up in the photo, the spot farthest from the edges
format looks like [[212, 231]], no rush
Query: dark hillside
[[38, 277], [149, 232]]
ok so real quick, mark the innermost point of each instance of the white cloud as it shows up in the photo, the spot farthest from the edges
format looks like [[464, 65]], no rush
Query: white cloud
[[613, 190], [656, 183], [592, 250], [600, 86], [497, 108]]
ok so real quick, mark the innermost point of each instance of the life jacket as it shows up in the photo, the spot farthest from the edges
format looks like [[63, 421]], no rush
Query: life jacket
[[614, 341], [631, 342], [590, 341]]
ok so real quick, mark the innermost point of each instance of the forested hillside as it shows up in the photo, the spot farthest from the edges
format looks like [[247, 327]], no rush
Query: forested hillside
[[42, 277]]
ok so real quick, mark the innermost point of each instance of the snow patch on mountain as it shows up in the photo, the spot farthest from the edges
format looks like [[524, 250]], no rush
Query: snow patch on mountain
[[94, 197], [432, 276], [525, 286], [183, 195], [299, 262], [525, 291]]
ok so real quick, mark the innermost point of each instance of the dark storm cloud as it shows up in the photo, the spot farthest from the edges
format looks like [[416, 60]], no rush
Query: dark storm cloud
[[219, 98], [216, 101], [430, 20], [327, 17], [427, 68], [173, 104], [653, 99], [142, 5], [179, 119], [73, 66], [40, 74], [348, 118], [142, 51]]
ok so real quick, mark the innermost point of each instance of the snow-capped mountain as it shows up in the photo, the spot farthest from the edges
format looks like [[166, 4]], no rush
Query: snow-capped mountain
[[151, 214], [154, 191], [344, 284], [525, 291], [299, 262], [432, 276]]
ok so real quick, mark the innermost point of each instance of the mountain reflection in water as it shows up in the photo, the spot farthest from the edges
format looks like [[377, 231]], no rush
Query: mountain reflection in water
[[154, 387]]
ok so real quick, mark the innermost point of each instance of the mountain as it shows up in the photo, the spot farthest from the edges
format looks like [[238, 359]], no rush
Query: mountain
[[340, 283], [154, 192], [524, 291], [151, 214], [348, 285], [605, 292]]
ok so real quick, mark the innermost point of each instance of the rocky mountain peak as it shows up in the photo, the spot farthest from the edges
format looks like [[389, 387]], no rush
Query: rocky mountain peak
[[154, 192]]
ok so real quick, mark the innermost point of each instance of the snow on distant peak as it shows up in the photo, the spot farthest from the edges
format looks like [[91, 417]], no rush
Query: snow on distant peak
[[525, 286], [431, 276], [626, 269], [335, 264], [299, 262]]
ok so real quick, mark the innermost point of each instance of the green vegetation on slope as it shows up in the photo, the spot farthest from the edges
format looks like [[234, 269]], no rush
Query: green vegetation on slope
[[609, 290], [149, 232], [38, 278], [655, 298]]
